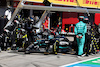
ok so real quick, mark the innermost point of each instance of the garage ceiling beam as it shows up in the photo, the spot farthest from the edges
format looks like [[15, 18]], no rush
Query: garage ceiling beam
[[63, 9]]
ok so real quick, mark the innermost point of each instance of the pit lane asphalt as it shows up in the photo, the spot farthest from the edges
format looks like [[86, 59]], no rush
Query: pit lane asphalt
[[19, 59]]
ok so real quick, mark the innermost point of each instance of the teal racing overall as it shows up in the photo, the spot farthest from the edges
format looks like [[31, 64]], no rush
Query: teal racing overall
[[80, 30]]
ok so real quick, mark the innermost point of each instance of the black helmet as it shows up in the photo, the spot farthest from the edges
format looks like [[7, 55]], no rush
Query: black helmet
[[81, 18]]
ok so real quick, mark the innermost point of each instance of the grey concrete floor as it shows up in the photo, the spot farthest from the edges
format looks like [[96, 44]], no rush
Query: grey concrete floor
[[19, 59]]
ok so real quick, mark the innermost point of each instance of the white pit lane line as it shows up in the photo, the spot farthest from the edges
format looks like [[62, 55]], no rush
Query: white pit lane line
[[78, 62]]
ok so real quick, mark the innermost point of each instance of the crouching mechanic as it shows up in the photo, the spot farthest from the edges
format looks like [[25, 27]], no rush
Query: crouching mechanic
[[80, 30]]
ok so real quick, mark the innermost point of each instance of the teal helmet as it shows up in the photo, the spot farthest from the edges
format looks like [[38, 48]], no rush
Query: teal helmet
[[86, 20]]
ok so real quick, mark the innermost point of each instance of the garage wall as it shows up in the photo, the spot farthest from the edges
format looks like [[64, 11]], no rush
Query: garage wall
[[69, 18], [97, 18], [2, 11]]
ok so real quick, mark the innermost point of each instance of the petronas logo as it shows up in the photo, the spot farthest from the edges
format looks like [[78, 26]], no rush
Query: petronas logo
[[98, 61], [81, 66]]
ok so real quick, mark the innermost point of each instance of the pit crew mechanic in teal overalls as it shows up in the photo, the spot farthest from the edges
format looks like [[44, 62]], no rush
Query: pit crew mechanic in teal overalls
[[80, 30]]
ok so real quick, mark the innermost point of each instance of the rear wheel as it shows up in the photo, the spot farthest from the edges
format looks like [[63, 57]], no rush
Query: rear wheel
[[69, 49]]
